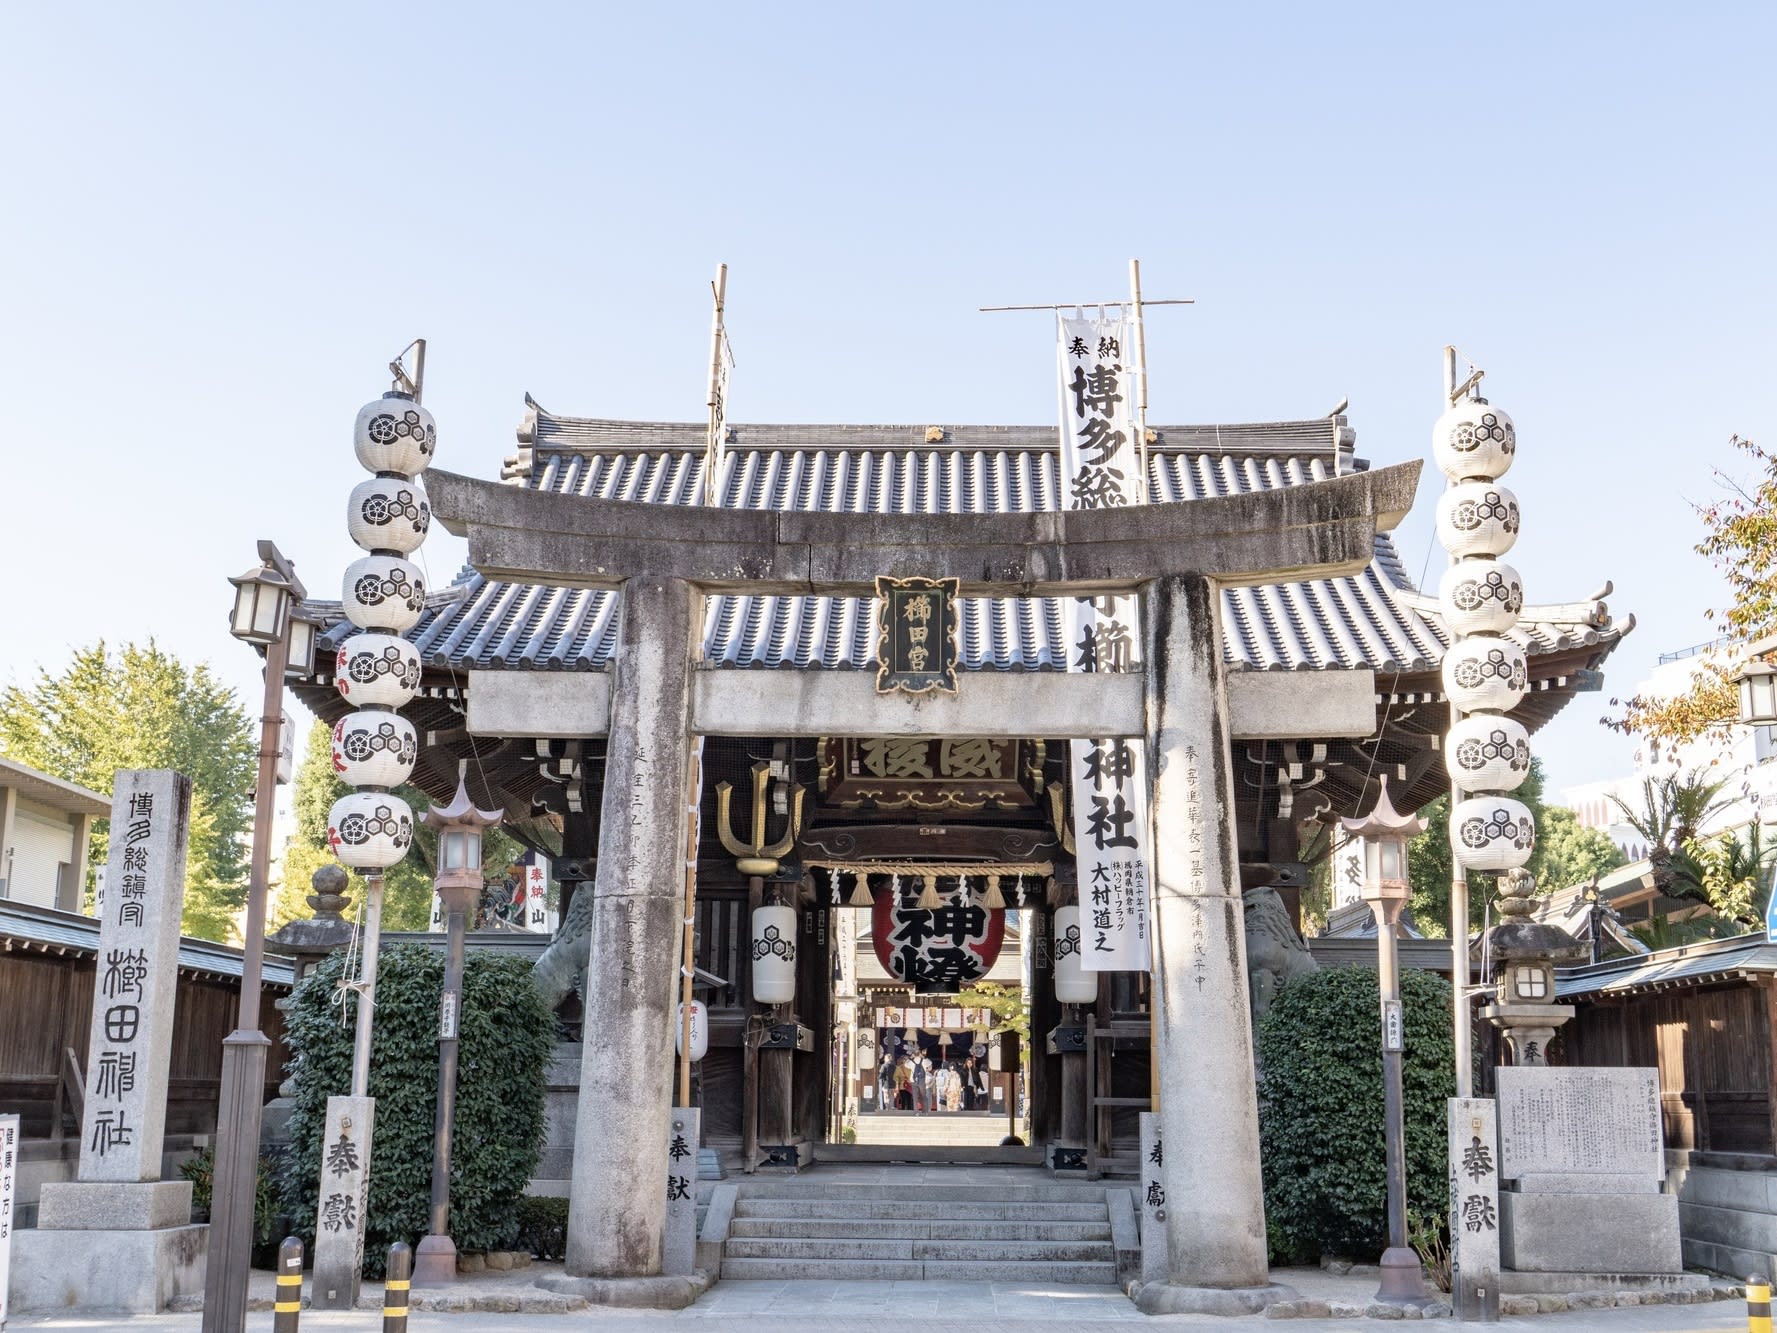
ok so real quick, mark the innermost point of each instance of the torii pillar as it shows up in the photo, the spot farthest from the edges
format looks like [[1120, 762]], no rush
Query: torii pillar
[[1178, 554]]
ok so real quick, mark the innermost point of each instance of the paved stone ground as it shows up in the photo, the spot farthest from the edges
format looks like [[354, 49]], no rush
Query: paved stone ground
[[873, 1307]]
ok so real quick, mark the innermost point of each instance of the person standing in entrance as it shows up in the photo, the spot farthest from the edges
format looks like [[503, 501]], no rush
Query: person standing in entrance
[[921, 1075], [903, 1086]]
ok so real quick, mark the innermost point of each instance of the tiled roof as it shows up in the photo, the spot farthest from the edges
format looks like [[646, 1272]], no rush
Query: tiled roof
[[46, 930], [1371, 619], [1690, 964]]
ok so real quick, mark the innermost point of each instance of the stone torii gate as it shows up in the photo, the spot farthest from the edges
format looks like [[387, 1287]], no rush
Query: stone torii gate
[[1178, 556]]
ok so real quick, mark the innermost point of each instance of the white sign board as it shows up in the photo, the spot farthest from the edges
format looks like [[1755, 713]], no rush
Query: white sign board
[[9, 1169], [1101, 468], [1570, 1121]]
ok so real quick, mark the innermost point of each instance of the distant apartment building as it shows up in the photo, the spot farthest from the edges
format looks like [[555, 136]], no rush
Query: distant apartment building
[[1736, 755]]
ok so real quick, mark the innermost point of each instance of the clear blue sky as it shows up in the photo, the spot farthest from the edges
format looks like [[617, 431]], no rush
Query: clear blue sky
[[223, 220]]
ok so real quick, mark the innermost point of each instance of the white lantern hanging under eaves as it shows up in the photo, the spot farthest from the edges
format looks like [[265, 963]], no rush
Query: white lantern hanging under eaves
[[1492, 832], [374, 748], [394, 434], [1487, 752], [774, 955], [866, 1049], [1485, 672], [1474, 441], [1480, 596], [383, 592], [389, 514], [369, 830], [379, 669], [1477, 518], [1073, 983], [700, 1031]]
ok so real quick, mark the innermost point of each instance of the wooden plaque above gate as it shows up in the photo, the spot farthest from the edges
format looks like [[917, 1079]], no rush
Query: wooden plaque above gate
[[916, 639]]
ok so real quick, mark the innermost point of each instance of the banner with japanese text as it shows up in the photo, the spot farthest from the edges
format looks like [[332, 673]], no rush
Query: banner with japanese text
[[1101, 468]]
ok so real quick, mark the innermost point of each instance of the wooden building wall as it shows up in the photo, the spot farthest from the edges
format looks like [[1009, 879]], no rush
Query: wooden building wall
[[1712, 1047], [46, 1008]]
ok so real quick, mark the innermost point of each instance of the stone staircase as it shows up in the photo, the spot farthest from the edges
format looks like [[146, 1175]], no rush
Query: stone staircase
[[864, 1231]]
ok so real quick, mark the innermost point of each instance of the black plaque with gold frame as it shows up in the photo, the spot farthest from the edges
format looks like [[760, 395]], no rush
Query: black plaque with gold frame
[[917, 636]]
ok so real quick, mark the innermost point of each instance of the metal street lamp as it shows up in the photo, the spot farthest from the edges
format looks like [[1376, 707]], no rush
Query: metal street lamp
[[460, 827], [1385, 833], [264, 598], [1757, 679]]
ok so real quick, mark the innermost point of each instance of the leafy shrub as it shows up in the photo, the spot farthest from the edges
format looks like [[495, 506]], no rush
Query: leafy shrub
[[200, 1170], [504, 1035], [1320, 1109], [543, 1226]]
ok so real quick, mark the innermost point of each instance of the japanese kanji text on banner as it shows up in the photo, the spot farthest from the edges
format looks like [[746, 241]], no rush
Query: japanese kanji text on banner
[[1100, 469]]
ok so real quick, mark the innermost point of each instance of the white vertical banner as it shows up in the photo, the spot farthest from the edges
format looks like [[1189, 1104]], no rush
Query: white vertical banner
[[537, 916], [437, 922], [1348, 871], [1101, 469], [9, 1171]]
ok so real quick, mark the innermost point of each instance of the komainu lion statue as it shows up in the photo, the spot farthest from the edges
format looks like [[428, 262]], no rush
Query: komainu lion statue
[[561, 969], [1275, 954]]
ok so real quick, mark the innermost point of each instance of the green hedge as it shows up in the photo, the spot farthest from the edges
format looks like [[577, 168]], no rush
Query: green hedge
[[1320, 1110], [505, 1038]]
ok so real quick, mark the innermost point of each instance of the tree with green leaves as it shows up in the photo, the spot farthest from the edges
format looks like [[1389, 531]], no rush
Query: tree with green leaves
[[1740, 538], [141, 707], [1565, 854], [407, 885]]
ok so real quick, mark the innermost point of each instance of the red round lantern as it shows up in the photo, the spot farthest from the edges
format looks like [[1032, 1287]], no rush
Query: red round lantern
[[938, 950]]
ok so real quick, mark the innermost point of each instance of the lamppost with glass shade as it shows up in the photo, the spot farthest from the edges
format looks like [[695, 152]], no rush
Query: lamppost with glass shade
[[1384, 833], [264, 616], [460, 827]]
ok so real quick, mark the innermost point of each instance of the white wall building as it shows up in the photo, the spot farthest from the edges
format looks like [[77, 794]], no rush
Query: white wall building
[[45, 835]]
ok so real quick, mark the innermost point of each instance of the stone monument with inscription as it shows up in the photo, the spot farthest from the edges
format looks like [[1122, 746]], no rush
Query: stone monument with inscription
[[1582, 1158], [118, 1237]]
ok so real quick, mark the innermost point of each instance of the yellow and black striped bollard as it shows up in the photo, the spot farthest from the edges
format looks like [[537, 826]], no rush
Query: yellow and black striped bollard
[[395, 1285], [287, 1305], [1758, 1304]]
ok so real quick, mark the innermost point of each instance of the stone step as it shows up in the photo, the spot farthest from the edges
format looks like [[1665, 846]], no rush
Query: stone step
[[866, 1270], [937, 1209], [806, 1188], [906, 1229], [817, 1251]]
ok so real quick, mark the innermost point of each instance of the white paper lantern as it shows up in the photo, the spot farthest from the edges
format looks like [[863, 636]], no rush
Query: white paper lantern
[[1477, 518], [374, 748], [394, 434], [774, 955], [1073, 983], [389, 514], [1486, 752], [1492, 832], [994, 1058], [700, 1031], [1480, 596], [1474, 442], [369, 830], [380, 669], [383, 592], [1485, 673], [866, 1050]]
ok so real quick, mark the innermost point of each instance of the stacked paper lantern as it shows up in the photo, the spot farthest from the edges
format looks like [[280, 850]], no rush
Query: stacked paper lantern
[[377, 670], [1485, 673]]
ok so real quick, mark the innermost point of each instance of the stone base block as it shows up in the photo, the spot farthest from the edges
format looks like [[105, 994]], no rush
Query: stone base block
[[87, 1205], [1589, 1233], [107, 1272], [1541, 1284], [636, 1293], [1556, 1183], [1170, 1298]]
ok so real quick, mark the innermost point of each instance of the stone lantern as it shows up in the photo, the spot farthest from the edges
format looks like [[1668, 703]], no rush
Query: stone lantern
[[1524, 955]]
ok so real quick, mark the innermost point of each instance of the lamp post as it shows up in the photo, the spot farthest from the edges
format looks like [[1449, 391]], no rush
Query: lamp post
[[264, 602], [1384, 833], [460, 827]]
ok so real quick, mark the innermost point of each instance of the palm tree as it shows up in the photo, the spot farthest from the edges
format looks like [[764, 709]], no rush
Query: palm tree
[[1673, 811]]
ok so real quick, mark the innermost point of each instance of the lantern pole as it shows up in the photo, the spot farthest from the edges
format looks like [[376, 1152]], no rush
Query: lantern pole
[[244, 1051], [368, 945]]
